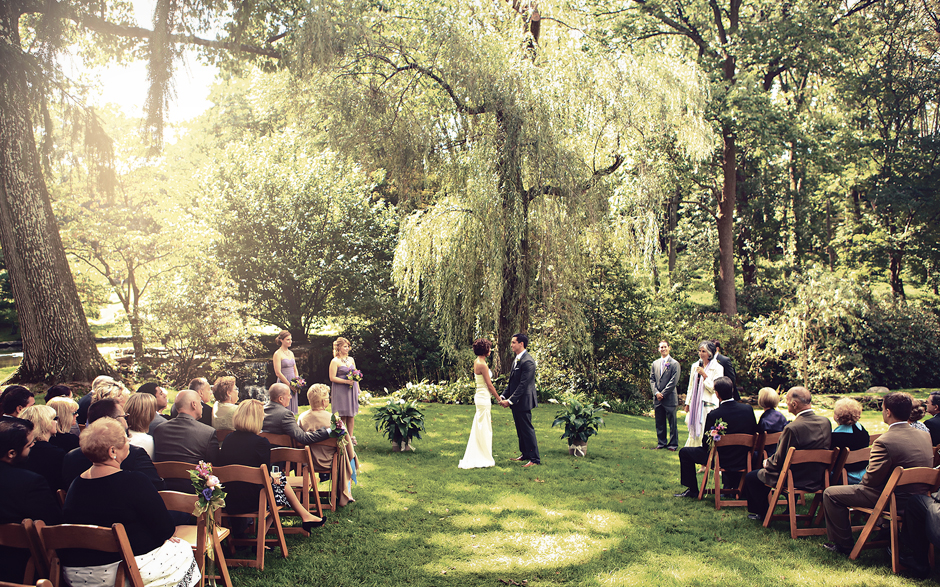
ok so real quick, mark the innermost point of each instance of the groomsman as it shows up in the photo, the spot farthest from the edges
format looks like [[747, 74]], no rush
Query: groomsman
[[728, 367], [664, 374]]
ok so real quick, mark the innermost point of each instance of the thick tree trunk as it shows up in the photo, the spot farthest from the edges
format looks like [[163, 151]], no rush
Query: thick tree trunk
[[137, 337], [896, 260], [727, 300], [57, 342], [746, 248]]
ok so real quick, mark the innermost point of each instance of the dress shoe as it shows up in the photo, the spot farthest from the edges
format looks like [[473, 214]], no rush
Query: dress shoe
[[673, 448], [518, 458], [832, 547], [530, 464], [307, 526], [686, 493], [751, 516]]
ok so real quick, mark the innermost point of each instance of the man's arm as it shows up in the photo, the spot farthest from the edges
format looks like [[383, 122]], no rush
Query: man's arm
[[212, 450], [879, 469], [653, 386], [673, 379]]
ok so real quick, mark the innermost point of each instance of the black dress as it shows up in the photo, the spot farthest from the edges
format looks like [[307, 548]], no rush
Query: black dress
[[243, 448]]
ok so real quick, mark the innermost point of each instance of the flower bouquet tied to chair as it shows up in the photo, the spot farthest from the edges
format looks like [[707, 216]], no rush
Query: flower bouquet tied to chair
[[400, 422], [581, 422]]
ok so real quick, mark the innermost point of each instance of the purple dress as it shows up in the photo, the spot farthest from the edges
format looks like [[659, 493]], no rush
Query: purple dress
[[345, 397], [289, 372]]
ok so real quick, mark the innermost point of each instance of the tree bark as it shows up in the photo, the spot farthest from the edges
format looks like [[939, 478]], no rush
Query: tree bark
[[896, 259], [727, 300], [57, 342]]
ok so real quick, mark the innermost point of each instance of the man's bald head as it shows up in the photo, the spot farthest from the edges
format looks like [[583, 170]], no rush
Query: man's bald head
[[798, 399], [187, 402], [278, 392]]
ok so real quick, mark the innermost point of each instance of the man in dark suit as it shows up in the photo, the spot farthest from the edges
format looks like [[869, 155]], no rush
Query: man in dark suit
[[14, 400], [728, 367], [806, 432], [75, 462], [23, 494], [521, 398], [160, 394], [280, 420], [185, 438], [933, 424], [740, 420], [900, 446], [664, 374]]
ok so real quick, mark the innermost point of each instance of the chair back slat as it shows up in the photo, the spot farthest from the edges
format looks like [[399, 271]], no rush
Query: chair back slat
[[173, 469], [221, 434], [748, 440], [278, 439], [113, 539], [243, 473]]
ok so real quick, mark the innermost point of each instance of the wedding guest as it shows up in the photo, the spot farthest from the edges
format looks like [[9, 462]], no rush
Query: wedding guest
[[160, 395], [58, 391], [285, 367], [345, 391], [771, 420], [66, 409], [14, 400], [141, 408], [850, 434], [105, 495], [110, 389], [280, 420], [933, 423], [917, 412], [85, 402], [700, 397], [185, 438], [226, 398], [201, 386], [246, 447], [44, 458], [727, 367], [23, 494], [319, 417]]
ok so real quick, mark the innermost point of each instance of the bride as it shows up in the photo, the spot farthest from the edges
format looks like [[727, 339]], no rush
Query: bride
[[480, 446]]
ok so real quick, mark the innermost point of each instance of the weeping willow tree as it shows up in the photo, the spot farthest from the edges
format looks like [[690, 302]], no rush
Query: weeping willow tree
[[514, 133]]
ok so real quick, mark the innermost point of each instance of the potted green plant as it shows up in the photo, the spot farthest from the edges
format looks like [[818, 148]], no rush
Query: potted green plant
[[581, 422], [400, 422]]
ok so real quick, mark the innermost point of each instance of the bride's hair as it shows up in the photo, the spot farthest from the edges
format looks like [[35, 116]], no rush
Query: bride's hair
[[482, 347]]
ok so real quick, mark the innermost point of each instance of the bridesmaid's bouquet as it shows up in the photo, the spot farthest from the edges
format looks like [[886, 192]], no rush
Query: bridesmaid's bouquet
[[355, 375], [297, 384]]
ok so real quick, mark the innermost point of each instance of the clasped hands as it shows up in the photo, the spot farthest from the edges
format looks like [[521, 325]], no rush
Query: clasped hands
[[504, 402]]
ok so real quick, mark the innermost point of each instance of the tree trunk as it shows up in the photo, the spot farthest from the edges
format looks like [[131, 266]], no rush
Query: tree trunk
[[137, 337], [57, 342], [896, 259], [672, 212], [830, 237], [746, 248], [727, 300]]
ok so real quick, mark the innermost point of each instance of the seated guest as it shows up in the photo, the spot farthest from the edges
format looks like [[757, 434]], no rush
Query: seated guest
[[806, 432], [58, 391], [105, 495], [921, 528], [14, 400], [918, 409], [771, 420], [319, 417], [900, 446], [76, 462], [226, 398], [23, 494], [66, 410], [85, 402], [740, 420], [185, 438], [933, 424], [110, 389], [280, 420], [160, 395], [44, 458], [201, 386], [141, 408], [850, 434], [246, 447]]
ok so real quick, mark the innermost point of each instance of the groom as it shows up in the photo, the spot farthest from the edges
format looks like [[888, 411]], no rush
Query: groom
[[521, 398]]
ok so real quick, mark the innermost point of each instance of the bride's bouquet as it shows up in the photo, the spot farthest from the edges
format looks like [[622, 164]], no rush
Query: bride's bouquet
[[355, 375]]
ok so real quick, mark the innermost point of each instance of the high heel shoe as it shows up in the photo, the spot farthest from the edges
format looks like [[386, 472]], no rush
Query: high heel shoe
[[307, 526]]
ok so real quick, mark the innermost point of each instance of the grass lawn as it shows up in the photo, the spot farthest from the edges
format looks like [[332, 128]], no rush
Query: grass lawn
[[608, 519]]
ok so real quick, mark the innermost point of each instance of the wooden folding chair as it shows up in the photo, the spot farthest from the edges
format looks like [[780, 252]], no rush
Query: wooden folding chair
[[279, 439], [197, 535], [833, 461], [714, 457], [331, 495], [861, 455], [113, 539], [769, 440], [221, 434], [61, 494], [936, 456], [886, 508], [259, 476], [24, 536], [39, 583], [303, 483], [872, 438]]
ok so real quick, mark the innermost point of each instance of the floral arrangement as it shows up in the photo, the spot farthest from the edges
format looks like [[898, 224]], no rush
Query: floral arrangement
[[354, 375], [400, 421], [338, 430], [297, 384], [718, 430], [581, 421], [211, 497]]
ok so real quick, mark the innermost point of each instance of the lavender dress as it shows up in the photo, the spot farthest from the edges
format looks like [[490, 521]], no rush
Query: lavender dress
[[289, 372], [345, 397]]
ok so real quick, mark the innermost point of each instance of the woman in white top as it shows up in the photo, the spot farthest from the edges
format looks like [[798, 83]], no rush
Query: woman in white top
[[700, 397], [226, 398], [141, 408]]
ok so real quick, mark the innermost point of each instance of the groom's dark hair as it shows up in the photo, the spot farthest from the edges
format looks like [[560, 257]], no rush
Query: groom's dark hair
[[522, 338]]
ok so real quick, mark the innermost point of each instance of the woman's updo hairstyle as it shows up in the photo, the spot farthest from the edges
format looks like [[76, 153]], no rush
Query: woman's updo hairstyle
[[482, 347]]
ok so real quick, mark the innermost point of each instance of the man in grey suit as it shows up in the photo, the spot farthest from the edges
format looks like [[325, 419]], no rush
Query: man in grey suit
[[521, 398], [806, 432], [664, 374], [900, 446], [280, 420], [185, 438]]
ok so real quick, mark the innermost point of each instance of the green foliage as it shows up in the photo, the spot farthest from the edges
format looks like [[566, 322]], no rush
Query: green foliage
[[460, 391], [581, 421], [399, 421]]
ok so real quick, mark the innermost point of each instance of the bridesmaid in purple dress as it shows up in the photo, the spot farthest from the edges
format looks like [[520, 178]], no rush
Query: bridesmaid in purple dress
[[285, 367], [345, 393]]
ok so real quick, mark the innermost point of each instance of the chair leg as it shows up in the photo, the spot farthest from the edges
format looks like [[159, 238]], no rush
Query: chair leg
[[791, 505], [863, 537], [221, 563]]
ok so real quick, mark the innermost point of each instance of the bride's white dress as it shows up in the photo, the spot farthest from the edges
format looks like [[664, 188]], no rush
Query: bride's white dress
[[480, 446]]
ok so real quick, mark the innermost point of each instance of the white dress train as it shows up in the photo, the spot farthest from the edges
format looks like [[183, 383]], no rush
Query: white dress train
[[479, 451]]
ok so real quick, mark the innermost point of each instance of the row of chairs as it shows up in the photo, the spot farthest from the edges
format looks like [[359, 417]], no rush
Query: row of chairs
[[832, 463]]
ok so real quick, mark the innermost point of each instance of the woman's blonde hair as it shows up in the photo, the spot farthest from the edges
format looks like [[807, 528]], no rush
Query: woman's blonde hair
[[108, 389], [98, 437], [222, 388], [43, 419], [768, 398], [338, 343], [141, 409], [249, 416], [318, 396], [64, 408], [847, 411]]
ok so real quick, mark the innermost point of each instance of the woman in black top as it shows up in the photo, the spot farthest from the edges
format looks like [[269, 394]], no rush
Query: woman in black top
[[105, 495], [244, 446], [44, 458], [850, 434], [66, 410]]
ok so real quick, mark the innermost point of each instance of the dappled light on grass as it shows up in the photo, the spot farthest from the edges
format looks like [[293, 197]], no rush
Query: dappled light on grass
[[503, 551]]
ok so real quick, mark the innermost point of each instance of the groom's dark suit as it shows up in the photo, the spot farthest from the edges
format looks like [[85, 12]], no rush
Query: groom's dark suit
[[522, 398]]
